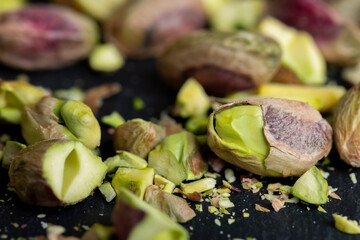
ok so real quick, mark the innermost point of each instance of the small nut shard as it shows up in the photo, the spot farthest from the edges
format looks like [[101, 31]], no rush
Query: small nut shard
[[260, 208]]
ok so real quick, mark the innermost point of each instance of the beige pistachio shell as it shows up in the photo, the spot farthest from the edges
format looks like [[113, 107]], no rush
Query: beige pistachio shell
[[138, 137], [221, 62], [143, 28], [297, 134], [347, 127]]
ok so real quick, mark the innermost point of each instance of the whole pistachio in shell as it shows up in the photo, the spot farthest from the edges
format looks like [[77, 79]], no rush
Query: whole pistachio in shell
[[52, 118], [269, 136], [55, 172], [347, 126], [221, 62], [40, 37], [143, 28], [138, 137]]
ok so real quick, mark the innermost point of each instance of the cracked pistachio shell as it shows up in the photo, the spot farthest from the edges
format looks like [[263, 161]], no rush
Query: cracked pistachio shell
[[296, 134], [221, 62], [53, 118], [346, 127], [138, 137], [40, 37], [143, 28]]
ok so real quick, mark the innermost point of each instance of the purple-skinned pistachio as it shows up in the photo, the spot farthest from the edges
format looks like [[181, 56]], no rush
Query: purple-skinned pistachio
[[338, 40], [143, 28], [40, 37]]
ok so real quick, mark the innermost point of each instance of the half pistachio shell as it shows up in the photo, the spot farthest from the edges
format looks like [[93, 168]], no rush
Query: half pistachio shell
[[296, 133]]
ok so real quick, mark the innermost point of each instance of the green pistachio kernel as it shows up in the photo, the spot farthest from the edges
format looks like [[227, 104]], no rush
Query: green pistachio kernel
[[241, 128]]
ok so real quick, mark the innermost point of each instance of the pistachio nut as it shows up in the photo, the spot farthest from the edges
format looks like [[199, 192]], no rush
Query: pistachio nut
[[338, 40], [178, 158], [221, 62], [138, 137], [143, 28], [134, 219], [346, 125], [14, 96], [39, 37], [55, 172], [269, 136], [53, 118]]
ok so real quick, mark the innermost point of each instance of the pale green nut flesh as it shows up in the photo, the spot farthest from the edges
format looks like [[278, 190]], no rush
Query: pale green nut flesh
[[106, 58], [311, 187], [125, 160], [177, 158], [114, 119], [346, 225], [241, 129]]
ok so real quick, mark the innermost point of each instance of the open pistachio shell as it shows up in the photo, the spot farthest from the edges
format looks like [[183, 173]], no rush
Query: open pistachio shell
[[143, 28], [346, 127], [40, 37], [221, 62], [295, 138]]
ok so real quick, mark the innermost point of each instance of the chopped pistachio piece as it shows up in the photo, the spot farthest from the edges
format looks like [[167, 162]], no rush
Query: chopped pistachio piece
[[300, 52], [212, 209], [197, 124], [138, 104], [191, 100], [311, 187], [229, 175], [225, 203], [114, 119], [106, 58], [175, 207], [353, 178], [321, 209], [107, 191], [143, 221], [200, 186], [164, 184], [11, 148], [136, 180], [178, 158], [125, 160], [345, 225]]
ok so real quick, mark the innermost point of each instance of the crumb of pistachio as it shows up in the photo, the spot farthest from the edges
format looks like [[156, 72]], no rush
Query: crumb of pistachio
[[212, 175], [199, 207], [320, 209], [353, 178], [212, 209], [308, 208], [217, 222], [44, 225], [260, 208], [231, 221], [229, 175], [246, 215], [277, 204], [41, 216]]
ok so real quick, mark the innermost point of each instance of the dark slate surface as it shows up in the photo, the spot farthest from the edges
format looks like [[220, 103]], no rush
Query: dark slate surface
[[140, 78]]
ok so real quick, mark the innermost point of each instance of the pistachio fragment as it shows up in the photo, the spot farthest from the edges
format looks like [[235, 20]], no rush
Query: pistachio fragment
[[221, 62], [143, 28], [178, 158], [199, 186], [134, 219], [52, 118], [191, 100], [175, 207], [311, 187], [125, 159], [164, 184], [50, 173], [337, 39], [55, 37], [106, 58], [346, 225], [135, 180], [14, 96], [346, 125], [270, 137], [300, 54], [138, 137]]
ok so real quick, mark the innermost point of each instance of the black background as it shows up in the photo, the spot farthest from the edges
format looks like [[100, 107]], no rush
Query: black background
[[140, 79]]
